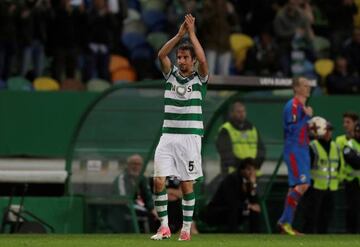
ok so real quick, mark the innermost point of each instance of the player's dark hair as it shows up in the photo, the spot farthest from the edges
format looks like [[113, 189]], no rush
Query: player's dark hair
[[186, 46], [352, 115]]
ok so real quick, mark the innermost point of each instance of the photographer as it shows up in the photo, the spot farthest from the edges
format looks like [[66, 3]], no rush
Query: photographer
[[235, 200]]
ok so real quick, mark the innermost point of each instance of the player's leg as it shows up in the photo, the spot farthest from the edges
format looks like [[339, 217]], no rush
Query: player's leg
[[299, 179], [188, 159], [163, 166], [161, 201], [188, 206]]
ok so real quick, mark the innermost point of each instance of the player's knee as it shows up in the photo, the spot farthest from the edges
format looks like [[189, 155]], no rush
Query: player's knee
[[302, 188], [159, 184]]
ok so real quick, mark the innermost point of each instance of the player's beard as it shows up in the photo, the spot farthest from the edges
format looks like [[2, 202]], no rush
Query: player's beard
[[183, 69]]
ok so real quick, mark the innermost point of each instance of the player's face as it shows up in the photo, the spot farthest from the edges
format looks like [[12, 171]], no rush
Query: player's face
[[185, 61], [304, 88], [239, 113]]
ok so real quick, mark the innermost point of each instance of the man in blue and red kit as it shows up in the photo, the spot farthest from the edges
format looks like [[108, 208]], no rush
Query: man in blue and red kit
[[296, 151]]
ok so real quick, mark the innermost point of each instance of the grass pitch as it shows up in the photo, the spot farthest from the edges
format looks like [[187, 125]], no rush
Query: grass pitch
[[202, 240]]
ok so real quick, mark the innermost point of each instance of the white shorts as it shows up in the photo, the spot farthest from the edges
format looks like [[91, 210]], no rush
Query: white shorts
[[178, 155]]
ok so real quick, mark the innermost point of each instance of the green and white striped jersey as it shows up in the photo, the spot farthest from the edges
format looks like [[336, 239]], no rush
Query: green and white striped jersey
[[183, 103]]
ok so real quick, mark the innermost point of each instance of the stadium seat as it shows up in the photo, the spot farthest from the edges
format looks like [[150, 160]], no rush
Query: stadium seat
[[3, 84], [118, 62], [144, 51], [157, 39], [155, 20], [133, 40], [321, 46], [134, 4], [123, 75], [46, 84], [324, 67], [153, 5], [19, 83], [357, 16], [239, 41], [134, 26], [133, 14], [97, 85], [72, 85]]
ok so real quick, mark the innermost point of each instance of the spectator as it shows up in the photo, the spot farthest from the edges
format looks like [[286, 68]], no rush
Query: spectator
[[263, 58], [352, 181], [32, 36], [351, 51], [255, 15], [7, 37], [101, 25], [319, 199], [66, 33], [132, 183], [341, 80], [235, 200], [341, 20], [292, 19], [302, 55], [239, 139], [217, 20]]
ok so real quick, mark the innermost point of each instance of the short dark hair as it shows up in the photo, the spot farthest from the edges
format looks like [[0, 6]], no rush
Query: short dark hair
[[247, 162], [352, 115], [232, 105], [186, 46]]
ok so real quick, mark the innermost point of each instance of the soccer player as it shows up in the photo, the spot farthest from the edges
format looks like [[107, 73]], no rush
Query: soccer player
[[179, 150], [296, 151]]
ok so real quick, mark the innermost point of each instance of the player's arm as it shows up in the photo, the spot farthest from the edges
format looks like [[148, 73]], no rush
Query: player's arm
[[167, 48], [199, 51]]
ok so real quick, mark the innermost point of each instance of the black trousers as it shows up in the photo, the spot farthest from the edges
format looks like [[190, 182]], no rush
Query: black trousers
[[231, 218], [318, 211], [352, 195]]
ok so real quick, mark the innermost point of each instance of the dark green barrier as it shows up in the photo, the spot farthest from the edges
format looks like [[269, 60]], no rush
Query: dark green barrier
[[64, 214], [39, 123]]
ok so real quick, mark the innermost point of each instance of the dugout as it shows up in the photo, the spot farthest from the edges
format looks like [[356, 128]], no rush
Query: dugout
[[127, 119]]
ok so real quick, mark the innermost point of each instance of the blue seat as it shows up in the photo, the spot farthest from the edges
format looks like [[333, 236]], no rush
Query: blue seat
[[133, 40], [155, 20], [2, 84], [134, 4], [144, 51]]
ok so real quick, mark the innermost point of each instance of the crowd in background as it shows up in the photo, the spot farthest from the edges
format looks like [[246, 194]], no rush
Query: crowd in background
[[68, 39]]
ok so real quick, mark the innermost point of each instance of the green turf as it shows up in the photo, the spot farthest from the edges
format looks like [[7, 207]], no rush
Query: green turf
[[204, 240]]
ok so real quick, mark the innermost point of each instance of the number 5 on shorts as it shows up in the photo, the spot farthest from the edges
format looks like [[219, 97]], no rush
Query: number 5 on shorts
[[191, 166]]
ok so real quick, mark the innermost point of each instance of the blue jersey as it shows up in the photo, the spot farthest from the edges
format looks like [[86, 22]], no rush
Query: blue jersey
[[296, 148], [295, 124]]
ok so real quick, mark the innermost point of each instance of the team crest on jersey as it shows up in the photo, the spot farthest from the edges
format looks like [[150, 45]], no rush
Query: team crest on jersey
[[303, 178], [181, 90]]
